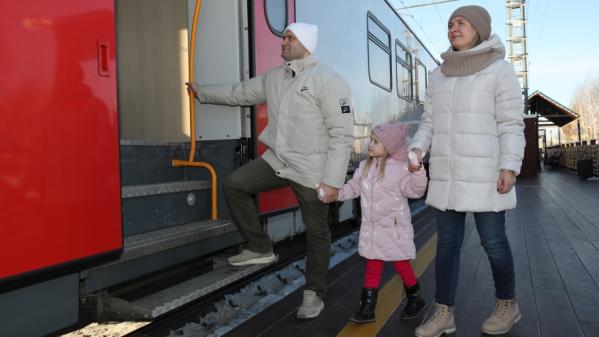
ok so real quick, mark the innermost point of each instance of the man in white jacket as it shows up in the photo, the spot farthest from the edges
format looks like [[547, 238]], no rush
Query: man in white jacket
[[308, 138]]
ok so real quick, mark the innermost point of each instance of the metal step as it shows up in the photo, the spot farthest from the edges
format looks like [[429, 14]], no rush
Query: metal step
[[136, 246], [136, 191], [151, 207], [161, 302]]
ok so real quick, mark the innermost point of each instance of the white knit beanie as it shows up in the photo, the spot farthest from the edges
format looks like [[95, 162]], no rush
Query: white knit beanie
[[306, 33]]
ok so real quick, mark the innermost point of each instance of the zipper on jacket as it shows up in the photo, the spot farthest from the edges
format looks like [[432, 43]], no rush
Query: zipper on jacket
[[370, 206], [451, 141]]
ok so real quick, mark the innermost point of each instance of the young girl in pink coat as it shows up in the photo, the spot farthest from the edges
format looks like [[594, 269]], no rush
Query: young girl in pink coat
[[384, 184]]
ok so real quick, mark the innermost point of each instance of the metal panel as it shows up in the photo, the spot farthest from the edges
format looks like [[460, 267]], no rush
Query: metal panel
[[40, 309], [59, 178], [219, 59], [152, 63], [283, 226]]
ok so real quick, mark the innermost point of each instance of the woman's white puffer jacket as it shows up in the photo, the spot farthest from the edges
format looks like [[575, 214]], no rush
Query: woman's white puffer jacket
[[474, 127]]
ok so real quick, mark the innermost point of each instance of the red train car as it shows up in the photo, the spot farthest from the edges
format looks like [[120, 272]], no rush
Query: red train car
[[59, 178], [93, 110]]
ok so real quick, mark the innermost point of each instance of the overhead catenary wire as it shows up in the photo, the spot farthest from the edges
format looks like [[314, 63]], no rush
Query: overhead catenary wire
[[437, 50]]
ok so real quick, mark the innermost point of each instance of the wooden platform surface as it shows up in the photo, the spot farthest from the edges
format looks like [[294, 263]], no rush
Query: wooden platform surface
[[554, 234]]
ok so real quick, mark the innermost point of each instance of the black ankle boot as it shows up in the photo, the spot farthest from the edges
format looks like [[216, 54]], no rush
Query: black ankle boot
[[367, 305], [415, 302]]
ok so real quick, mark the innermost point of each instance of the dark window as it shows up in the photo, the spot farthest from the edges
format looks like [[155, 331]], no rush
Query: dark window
[[421, 82], [276, 15], [379, 53], [403, 61]]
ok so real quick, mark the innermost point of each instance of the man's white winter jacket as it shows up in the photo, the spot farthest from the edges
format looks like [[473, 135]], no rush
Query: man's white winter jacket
[[310, 119]]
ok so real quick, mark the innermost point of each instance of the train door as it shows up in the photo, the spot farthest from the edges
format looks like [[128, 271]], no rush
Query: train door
[[270, 17], [59, 178]]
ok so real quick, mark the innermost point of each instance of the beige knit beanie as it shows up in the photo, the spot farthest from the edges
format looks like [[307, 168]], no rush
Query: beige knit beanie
[[478, 17]]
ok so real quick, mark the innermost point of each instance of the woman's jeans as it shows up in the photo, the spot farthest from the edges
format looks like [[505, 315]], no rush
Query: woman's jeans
[[450, 235]]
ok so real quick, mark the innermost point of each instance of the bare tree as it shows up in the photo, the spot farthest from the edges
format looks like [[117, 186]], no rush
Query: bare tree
[[586, 104]]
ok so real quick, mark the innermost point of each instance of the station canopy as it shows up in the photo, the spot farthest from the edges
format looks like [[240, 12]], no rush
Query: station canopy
[[545, 106]]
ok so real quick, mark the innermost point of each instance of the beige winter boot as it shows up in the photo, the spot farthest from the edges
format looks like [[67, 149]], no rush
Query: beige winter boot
[[505, 315], [439, 323]]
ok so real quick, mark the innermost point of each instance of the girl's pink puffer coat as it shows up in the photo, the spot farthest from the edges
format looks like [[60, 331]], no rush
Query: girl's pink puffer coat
[[386, 232]]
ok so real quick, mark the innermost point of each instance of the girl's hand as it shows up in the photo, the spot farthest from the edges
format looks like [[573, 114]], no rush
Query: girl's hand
[[507, 179]]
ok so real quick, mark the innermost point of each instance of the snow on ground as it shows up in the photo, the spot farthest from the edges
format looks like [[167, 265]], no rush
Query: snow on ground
[[110, 329], [234, 309]]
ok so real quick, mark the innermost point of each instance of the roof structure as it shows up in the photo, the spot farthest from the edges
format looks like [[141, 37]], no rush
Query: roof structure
[[545, 106]]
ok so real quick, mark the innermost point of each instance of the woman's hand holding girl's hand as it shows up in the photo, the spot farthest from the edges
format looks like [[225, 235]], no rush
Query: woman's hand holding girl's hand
[[415, 160], [507, 179]]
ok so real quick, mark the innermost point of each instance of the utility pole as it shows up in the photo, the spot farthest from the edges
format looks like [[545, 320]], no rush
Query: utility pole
[[516, 22]]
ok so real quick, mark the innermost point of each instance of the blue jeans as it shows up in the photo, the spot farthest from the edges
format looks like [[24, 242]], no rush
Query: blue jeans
[[450, 235]]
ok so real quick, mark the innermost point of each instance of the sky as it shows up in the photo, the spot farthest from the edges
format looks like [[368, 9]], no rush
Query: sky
[[563, 38]]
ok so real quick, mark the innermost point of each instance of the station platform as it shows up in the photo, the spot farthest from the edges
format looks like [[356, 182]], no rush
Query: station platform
[[554, 235]]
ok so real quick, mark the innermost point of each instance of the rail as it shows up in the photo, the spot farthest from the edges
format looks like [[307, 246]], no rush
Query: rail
[[190, 162]]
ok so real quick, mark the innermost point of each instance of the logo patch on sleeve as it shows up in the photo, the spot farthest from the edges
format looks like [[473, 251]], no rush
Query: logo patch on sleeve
[[344, 103]]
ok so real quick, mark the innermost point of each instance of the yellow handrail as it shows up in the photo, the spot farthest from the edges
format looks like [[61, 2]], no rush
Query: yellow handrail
[[190, 161]]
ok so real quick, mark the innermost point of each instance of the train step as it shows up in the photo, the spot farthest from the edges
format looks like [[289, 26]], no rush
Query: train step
[[136, 246], [137, 191], [168, 299], [150, 207], [150, 252]]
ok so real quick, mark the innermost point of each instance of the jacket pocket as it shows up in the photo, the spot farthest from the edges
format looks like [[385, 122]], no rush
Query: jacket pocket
[[403, 231], [397, 228]]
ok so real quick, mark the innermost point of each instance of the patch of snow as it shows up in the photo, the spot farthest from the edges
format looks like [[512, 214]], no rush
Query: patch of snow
[[234, 309]]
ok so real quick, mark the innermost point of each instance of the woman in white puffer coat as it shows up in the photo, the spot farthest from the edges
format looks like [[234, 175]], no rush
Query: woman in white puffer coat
[[473, 125]]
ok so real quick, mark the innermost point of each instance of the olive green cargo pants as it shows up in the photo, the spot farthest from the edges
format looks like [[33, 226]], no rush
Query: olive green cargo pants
[[257, 176]]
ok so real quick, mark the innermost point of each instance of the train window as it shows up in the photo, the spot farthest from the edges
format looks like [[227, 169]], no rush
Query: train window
[[421, 82], [403, 61], [276, 15], [379, 53]]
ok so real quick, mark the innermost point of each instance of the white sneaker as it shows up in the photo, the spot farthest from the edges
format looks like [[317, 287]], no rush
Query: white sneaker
[[247, 257], [311, 306]]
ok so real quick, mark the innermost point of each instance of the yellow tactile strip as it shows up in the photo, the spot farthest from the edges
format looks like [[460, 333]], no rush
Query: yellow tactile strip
[[391, 295]]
